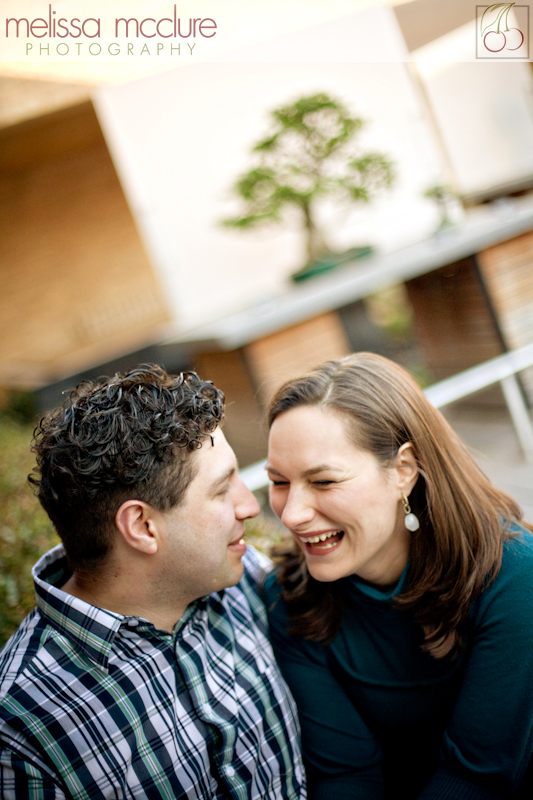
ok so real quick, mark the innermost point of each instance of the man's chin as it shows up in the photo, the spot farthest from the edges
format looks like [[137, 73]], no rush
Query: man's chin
[[235, 575]]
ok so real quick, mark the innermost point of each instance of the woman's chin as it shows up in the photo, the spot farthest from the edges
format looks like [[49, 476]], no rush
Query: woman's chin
[[326, 573]]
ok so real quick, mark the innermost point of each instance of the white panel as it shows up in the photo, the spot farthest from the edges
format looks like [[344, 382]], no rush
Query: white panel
[[484, 111], [180, 139]]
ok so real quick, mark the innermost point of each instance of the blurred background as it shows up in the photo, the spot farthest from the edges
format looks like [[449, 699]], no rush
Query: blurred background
[[116, 181]]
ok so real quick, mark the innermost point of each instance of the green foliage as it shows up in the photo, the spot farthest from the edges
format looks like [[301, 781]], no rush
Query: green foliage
[[21, 406], [391, 311], [25, 531], [308, 155], [442, 195], [264, 533]]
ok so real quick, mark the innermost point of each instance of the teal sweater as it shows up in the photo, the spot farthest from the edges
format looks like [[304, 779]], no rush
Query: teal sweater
[[382, 719]]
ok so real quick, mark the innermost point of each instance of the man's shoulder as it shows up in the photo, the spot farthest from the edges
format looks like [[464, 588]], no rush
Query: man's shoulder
[[256, 565], [20, 651]]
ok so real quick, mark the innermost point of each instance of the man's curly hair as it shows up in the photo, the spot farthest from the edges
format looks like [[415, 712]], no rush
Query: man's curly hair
[[126, 437]]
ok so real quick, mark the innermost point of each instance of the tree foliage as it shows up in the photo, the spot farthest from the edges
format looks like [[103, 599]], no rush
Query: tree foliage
[[309, 155]]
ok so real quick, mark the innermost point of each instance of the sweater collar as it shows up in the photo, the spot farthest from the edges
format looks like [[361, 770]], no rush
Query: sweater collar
[[380, 593]]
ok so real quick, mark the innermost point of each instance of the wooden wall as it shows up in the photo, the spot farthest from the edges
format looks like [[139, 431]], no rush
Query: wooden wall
[[507, 270], [24, 98], [453, 318], [77, 286], [245, 427], [250, 375], [293, 351]]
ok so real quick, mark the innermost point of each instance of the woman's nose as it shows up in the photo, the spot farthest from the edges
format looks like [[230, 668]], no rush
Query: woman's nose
[[297, 510]]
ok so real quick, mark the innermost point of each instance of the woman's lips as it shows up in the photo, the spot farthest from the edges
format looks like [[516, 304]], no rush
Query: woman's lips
[[320, 543]]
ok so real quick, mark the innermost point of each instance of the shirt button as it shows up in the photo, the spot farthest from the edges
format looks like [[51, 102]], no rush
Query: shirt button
[[132, 623], [230, 772]]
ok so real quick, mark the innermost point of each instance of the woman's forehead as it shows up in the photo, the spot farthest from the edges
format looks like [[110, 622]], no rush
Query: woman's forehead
[[310, 433], [310, 419]]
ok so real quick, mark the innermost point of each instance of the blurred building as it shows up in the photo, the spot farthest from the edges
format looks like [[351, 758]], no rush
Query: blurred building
[[78, 285], [112, 253]]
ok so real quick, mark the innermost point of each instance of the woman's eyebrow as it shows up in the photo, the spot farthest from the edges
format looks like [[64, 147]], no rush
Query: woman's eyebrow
[[273, 471], [308, 472], [320, 468]]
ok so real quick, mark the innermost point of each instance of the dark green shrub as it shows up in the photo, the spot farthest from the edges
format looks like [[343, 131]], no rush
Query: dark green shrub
[[25, 530]]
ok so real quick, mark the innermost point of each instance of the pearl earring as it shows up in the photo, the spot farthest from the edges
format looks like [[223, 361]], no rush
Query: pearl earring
[[411, 521]]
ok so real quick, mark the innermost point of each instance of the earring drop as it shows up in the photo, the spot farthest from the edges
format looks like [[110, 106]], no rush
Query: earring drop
[[411, 521]]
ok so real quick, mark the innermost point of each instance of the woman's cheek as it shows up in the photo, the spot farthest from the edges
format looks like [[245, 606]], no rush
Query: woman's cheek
[[276, 503]]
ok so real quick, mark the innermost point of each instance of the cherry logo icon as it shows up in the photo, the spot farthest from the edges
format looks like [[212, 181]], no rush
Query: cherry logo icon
[[495, 31]]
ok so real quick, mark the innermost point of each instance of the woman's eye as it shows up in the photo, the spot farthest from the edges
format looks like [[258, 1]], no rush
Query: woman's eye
[[279, 483], [322, 483]]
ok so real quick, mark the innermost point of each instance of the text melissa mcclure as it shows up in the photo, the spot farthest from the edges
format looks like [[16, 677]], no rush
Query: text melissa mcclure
[[55, 27]]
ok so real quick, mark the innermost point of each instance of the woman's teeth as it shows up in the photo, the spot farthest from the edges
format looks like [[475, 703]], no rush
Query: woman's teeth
[[320, 538], [327, 546]]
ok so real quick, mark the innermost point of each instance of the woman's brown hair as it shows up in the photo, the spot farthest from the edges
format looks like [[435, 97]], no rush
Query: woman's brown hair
[[456, 552]]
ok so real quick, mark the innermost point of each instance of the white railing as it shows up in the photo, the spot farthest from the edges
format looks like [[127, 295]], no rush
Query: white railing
[[502, 369]]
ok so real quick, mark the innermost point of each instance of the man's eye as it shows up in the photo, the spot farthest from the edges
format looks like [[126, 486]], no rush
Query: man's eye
[[279, 483], [223, 491], [322, 483]]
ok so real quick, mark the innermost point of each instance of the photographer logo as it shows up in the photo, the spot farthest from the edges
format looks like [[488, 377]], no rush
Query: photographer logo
[[502, 31]]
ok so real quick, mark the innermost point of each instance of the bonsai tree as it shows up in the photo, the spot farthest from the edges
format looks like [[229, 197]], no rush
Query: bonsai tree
[[442, 195], [309, 155]]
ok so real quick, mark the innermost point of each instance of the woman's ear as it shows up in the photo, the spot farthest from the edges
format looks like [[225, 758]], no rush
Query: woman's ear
[[406, 468], [135, 522]]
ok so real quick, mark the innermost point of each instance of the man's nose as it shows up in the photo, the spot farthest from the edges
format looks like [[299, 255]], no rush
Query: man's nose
[[247, 505]]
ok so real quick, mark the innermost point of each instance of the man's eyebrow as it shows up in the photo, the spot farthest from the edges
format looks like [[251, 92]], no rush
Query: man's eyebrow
[[224, 477]]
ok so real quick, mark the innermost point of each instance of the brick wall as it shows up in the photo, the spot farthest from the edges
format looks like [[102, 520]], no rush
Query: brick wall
[[249, 376], [245, 427], [454, 322], [22, 98], [77, 286], [294, 351], [507, 270]]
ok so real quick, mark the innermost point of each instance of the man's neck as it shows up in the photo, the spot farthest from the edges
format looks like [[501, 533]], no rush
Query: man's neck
[[111, 595]]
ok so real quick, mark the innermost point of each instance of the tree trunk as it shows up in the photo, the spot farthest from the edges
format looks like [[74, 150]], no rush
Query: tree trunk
[[315, 243]]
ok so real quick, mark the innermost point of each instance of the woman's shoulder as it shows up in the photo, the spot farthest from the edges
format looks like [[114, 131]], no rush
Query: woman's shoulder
[[517, 558], [288, 647], [275, 604], [271, 587], [513, 585]]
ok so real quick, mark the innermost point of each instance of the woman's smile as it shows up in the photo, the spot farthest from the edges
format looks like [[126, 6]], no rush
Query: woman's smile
[[319, 543]]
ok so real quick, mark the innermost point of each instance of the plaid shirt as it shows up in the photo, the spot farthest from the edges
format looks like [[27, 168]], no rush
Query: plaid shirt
[[98, 705]]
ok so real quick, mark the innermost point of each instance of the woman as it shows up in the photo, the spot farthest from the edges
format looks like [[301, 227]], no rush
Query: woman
[[402, 618]]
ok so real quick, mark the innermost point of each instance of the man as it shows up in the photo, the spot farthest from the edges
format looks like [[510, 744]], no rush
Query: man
[[140, 674]]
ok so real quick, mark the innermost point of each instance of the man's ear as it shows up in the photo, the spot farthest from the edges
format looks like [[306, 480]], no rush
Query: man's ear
[[135, 521], [407, 468]]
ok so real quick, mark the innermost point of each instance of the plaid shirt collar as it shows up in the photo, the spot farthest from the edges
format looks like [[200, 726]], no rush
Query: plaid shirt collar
[[92, 629]]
